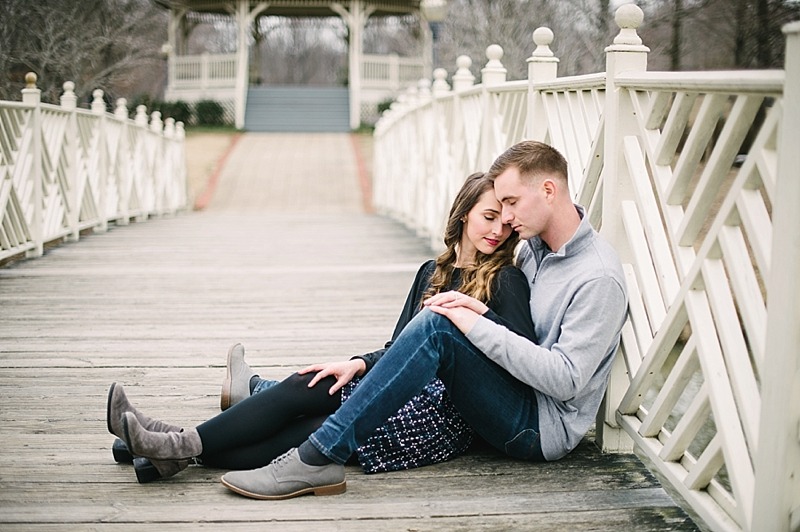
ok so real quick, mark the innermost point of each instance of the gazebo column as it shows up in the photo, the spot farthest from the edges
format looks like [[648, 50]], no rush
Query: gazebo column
[[355, 19], [177, 32], [244, 18]]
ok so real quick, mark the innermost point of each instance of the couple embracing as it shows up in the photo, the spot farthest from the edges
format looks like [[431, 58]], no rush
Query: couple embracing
[[515, 348]]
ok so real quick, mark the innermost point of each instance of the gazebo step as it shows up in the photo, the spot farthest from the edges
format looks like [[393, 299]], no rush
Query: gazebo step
[[294, 109]]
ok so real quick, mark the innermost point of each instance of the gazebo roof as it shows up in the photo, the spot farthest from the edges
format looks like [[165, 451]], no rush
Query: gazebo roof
[[293, 8]]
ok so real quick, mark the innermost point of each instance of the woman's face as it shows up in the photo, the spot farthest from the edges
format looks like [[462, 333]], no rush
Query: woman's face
[[483, 230]]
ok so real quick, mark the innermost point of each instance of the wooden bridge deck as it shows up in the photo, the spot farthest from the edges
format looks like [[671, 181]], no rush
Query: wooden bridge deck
[[309, 277]]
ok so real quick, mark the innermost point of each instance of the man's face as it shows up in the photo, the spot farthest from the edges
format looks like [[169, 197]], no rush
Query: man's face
[[524, 203]]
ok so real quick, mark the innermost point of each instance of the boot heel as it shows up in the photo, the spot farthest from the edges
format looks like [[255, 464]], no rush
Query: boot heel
[[334, 489], [122, 454], [145, 470], [148, 470]]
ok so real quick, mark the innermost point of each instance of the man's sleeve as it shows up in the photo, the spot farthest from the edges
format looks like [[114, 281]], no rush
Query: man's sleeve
[[589, 329]]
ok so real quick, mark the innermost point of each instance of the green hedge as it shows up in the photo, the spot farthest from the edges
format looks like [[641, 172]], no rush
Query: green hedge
[[202, 113], [209, 113]]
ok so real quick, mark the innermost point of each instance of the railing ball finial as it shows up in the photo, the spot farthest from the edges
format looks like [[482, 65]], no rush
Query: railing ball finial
[[628, 17], [155, 122], [30, 80], [463, 78], [169, 127], [121, 111], [98, 105], [542, 38], [440, 85], [494, 72], [141, 115], [69, 100], [424, 87], [494, 53]]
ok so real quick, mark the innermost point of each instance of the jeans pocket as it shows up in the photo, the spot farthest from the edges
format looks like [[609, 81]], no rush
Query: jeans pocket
[[526, 445]]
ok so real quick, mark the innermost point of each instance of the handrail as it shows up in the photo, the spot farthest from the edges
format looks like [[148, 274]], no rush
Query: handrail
[[692, 177], [66, 170]]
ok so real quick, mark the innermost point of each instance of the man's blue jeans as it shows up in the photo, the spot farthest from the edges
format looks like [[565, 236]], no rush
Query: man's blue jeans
[[500, 408]]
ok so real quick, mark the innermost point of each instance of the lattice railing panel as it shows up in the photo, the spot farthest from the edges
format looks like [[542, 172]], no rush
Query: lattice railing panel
[[695, 340], [571, 119], [16, 208], [64, 169]]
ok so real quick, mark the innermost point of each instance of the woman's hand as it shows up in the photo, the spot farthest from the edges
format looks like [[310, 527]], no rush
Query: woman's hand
[[459, 308], [454, 299], [343, 371]]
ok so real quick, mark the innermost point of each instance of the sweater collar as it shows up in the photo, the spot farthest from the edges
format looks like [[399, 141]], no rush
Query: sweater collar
[[582, 238]]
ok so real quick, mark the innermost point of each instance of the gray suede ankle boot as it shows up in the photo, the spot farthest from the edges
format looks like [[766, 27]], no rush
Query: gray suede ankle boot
[[182, 445], [118, 404]]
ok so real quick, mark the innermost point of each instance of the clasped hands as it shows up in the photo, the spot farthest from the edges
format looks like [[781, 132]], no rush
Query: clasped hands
[[459, 308]]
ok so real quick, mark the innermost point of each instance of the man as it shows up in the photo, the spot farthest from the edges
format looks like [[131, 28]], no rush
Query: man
[[532, 401]]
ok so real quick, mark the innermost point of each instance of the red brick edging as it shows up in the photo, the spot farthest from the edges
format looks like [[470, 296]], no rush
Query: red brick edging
[[364, 179], [204, 198]]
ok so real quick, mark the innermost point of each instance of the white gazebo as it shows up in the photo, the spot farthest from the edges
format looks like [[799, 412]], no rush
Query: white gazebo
[[225, 78]]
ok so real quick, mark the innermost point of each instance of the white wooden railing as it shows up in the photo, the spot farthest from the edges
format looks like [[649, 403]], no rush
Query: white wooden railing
[[707, 381], [202, 71], [218, 71], [390, 72], [64, 170]]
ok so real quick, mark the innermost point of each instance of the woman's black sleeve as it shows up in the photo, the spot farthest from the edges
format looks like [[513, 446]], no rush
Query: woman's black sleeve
[[410, 309], [510, 304]]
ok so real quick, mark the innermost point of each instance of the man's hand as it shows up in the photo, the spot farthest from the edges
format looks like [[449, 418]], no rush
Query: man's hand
[[343, 371], [459, 308]]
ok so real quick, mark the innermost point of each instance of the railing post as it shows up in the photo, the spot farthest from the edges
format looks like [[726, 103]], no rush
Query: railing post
[[494, 73], [440, 86], [123, 169], [394, 72], [441, 154], [141, 168], [204, 71], [141, 116], [542, 66], [32, 95], [69, 102], [156, 126], [178, 145], [777, 461], [626, 54], [463, 78], [99, 110], [167, 163]]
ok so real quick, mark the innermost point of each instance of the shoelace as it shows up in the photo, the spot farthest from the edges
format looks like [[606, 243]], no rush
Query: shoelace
[[281, 460]]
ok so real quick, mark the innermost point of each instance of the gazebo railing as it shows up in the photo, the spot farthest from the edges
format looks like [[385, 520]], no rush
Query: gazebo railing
[[693, 177]]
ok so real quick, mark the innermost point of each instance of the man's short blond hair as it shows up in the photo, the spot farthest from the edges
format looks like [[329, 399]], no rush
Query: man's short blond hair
[[532, 159]]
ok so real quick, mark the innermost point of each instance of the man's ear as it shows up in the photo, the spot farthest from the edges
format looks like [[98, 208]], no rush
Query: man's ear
[[549, 187]]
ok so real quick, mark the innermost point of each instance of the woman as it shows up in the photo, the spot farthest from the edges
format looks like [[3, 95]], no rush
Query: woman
[[250, 434]]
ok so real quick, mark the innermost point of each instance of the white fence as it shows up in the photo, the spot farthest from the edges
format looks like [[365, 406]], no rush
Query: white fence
[[202, 71], [64, 170], [218, 71], [707, 382]]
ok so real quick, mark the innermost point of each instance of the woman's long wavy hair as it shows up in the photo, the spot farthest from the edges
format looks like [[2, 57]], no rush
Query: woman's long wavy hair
[[476, 279]]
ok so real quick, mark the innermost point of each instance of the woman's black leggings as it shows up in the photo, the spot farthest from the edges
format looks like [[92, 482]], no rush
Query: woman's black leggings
[[257, 430]]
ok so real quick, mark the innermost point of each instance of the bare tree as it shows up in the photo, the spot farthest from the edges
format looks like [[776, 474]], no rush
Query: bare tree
[[95, 43], [717, 34], [472, 25]]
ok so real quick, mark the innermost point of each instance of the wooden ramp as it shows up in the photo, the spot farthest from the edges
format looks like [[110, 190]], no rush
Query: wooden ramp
[[155, 306]]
